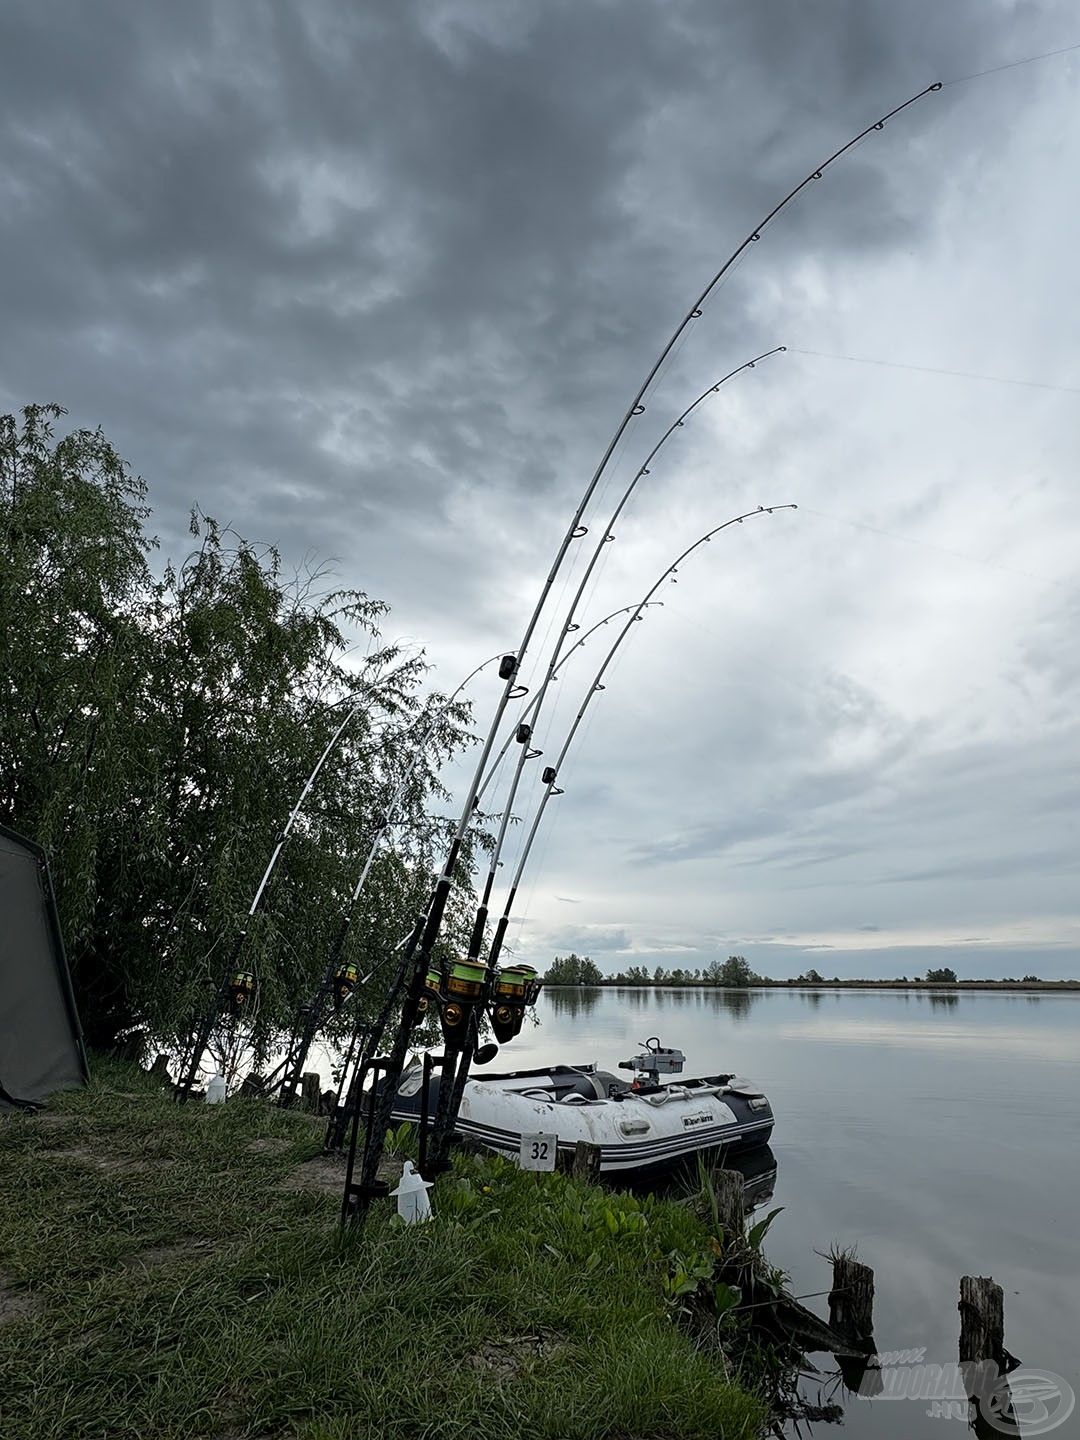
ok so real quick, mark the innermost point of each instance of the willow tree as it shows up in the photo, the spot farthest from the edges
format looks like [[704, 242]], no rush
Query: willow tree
[[156, 726]]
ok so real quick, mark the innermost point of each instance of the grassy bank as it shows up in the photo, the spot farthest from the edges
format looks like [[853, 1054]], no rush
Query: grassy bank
[[178, 1272]]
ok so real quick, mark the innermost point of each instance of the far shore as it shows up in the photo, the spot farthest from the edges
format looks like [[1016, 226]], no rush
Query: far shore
[[946, 985]]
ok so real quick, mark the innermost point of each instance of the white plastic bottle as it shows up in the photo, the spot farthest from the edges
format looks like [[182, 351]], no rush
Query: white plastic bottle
[[215, 1090]]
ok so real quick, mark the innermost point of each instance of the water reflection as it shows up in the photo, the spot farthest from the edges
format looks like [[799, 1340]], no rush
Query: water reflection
[[938, 1001], [737, 1003], [574, 999], [942, 1140], [757, 1167]]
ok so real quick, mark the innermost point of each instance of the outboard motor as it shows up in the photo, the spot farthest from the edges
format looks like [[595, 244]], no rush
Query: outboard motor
[[655, 1059]]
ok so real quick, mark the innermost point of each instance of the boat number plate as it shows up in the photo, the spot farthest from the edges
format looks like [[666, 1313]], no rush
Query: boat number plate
[[538, 1151]]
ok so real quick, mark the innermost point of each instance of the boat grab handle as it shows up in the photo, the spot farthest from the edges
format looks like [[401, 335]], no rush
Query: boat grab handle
[[669, 1092]]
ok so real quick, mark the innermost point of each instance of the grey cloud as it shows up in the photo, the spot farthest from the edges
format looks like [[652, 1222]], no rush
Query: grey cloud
[[586, 939], [375, 283]]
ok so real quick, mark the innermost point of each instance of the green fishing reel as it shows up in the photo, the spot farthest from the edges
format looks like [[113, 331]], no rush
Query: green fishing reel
[[516, 988], [464, 990]]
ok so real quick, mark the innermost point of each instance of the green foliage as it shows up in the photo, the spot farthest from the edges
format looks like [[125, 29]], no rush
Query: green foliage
[[156, 729], [756, 1234], [944, 976], [734, 972], [636, 975], [401, 1142], [573, 970]]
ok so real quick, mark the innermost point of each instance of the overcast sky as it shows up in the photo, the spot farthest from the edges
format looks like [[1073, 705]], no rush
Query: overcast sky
[[375, 282]]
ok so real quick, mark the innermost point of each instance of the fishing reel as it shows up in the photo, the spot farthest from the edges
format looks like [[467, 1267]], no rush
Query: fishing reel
[[463, 990], [429, 996], [516, 988], [239, 994], [346, 979]]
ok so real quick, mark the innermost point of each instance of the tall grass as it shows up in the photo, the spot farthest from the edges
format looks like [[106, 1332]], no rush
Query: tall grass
[[169, 1284]]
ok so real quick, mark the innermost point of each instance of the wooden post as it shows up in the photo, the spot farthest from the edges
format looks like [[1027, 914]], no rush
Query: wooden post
[[851, 1300], [586, 1164], [310, 1092], [160, 1068], [728, 1189], [982, 1320]]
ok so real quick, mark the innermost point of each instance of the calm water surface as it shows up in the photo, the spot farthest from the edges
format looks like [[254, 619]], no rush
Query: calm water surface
[[938, 1133]]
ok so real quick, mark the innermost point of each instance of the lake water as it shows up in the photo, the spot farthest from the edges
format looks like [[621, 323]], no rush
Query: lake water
[[940, 1134]]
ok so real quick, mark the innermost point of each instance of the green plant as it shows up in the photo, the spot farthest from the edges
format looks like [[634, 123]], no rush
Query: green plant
[[401, 1142]]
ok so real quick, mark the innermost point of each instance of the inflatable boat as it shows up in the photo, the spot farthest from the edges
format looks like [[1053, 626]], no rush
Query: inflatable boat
[[640, 1125]]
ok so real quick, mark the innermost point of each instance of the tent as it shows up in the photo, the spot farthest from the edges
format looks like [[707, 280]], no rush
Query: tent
[[41, 1042]]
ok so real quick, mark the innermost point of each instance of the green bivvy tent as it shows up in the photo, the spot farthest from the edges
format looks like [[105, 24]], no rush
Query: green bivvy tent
[[41, 1043]]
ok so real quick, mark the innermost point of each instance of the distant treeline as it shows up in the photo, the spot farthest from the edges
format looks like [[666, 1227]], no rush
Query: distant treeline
[[736, 973]]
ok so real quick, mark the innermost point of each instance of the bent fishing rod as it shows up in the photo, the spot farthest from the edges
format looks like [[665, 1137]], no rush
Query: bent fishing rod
[[452, 1086], [569, 625], [235, 996], [511, 665], [695, 312], [524, 732], [523, 727], [337, 983], [373, 1038]]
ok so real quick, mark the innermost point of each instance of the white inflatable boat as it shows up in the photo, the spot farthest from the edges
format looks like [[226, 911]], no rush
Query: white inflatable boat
[[639, 1125]]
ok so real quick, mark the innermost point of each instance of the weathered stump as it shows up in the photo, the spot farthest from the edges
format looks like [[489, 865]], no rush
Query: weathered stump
[[851, 1301], [982, 1320], [160, 1070], [730, 1201], [586, 1162], [310, 1092], [983, 1356]]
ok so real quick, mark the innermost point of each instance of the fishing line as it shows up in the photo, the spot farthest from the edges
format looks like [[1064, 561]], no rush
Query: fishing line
[[553, 826], [937, 370], [751, 655], [927, 545], [358, 1196], [450, 1097], [596, 685], [1011, 65], [638, 408], [608, 533]]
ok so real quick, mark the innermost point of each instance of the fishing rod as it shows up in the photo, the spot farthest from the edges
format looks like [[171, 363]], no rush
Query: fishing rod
[[510, 668], [236, 988], [338, 981], [523, 728], [341, 1113], [530, 708], [524, 732], [452, 1086], [528, 715]]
